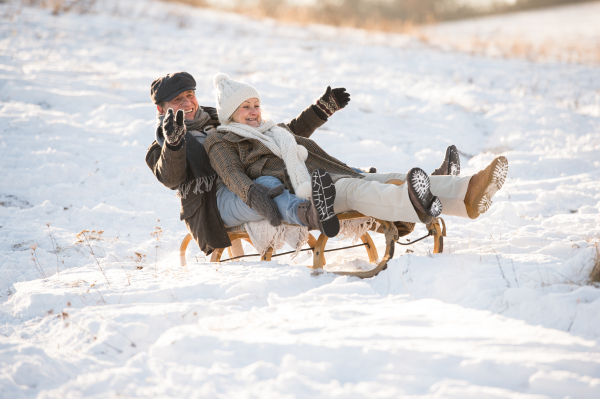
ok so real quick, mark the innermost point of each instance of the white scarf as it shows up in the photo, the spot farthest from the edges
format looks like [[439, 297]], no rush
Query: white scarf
[[283, 144]]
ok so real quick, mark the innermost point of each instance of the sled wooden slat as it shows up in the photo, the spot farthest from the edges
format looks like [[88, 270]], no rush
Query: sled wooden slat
[[183, 248], [371, 250], [391, 235], [319, 253], [312, 241], [439, 234], [236, 248]]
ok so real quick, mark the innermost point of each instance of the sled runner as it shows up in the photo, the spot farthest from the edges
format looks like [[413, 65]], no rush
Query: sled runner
[[437, 229]]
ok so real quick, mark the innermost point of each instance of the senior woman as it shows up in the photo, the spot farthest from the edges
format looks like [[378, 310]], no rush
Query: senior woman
[[247, 147]]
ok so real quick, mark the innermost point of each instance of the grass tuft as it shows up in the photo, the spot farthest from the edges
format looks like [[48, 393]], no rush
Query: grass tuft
[[595, 273]]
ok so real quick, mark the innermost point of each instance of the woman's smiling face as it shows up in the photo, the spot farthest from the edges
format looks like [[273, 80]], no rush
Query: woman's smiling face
[[248, 113]]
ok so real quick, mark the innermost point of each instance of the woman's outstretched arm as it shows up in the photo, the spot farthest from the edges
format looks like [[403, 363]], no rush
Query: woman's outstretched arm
[[305, 123], [317, 114]]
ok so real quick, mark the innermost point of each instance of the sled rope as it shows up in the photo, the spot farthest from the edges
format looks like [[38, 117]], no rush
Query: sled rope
[[302, 250], [429, 234]]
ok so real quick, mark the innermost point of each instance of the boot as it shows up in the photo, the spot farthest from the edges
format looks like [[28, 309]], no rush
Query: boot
[[308, 215], [484, 185], [322, 199], [450, 165], [419, 191]]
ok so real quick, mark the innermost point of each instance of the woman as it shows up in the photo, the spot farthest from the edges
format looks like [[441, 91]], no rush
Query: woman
[[247, 147]]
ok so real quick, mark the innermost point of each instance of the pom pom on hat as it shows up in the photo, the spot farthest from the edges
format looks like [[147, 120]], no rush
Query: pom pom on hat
[[219, 78], [230, 95]]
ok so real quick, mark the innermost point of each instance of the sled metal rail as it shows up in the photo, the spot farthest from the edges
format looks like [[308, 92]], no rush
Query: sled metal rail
[[302, 250]]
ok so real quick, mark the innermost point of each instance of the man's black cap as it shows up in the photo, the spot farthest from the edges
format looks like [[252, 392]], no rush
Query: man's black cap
[[170, 86]]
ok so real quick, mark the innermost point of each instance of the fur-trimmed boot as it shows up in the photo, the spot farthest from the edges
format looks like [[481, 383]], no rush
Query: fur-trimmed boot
[[450, 165], [483, 185]]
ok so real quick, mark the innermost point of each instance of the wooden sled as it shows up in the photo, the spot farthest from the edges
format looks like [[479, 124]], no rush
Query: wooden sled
[[437, 229]]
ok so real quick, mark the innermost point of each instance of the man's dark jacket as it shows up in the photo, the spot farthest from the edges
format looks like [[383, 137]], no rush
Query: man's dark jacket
[[199, 211]]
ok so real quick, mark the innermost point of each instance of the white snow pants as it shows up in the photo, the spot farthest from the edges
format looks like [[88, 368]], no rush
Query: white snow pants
[[371, 197]]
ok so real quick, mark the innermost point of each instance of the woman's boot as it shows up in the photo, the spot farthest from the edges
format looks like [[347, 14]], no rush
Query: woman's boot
[[419, 191], [484, 185]]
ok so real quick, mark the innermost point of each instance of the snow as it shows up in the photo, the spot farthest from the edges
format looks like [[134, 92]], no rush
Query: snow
[[505, 311]]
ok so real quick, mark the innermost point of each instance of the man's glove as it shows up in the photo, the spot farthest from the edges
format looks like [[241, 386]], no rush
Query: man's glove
[[174, 128], [333, 100], [261, 200]]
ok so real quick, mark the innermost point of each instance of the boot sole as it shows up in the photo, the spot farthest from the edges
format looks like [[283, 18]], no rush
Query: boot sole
[[419, 191], [323, 196], [496, 182]]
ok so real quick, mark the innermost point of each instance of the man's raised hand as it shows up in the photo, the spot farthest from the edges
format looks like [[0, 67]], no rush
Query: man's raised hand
[[174, 127]]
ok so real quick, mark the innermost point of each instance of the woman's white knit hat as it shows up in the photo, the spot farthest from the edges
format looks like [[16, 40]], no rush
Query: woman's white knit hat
[[230, 95]]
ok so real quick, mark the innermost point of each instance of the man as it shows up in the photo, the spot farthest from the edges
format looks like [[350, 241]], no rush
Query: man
[[179, 161]]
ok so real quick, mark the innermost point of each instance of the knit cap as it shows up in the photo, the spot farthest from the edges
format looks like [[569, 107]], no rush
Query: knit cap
[[230, 95]]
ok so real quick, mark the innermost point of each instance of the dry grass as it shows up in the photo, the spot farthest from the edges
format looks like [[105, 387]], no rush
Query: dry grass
[[61, 6], [83, 239], [377, 15], [595, 273], [411, 17], [157, 234], [512, 47]]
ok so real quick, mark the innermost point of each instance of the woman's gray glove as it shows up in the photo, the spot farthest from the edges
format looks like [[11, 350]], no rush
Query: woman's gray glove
[[174, 128], [261, 200]]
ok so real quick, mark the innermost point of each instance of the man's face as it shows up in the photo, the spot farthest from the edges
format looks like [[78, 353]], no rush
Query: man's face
[[186, 101], [248, 113]]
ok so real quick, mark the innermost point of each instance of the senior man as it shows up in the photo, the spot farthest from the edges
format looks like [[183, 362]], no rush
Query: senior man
[[179, 161]]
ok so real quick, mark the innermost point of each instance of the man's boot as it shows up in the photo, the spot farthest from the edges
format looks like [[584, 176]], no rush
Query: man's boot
[[483, 185], [419, 191], [451, 164]]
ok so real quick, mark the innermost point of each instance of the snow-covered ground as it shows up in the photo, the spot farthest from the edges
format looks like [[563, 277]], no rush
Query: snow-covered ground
[[504, 312]]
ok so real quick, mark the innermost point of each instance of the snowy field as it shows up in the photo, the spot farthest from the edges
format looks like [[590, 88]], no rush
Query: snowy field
[[565, 33], [505, 312]]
